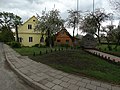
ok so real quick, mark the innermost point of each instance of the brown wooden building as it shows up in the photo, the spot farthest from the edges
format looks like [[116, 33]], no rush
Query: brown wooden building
[[64, 38]]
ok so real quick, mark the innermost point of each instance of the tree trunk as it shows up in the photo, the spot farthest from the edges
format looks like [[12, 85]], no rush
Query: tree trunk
[[16, 29], [49, 39], [117, 44], [98, 38], [109, 47], [73, 32], [73, 36], [99, 34]]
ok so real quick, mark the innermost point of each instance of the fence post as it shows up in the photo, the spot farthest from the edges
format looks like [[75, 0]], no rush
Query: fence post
[[40, 53], [46, 51], [33, 53]]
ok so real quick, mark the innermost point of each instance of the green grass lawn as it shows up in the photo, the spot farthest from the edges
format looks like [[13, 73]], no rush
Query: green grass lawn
[[104, 48], [27, 51], [77, 62]]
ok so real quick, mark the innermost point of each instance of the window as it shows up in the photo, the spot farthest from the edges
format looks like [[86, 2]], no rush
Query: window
[[33, 20], [58, 40], [29, 26], [30, 39], [20, 39], [67, 41]]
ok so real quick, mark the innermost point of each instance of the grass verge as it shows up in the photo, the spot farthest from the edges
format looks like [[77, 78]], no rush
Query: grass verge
[[104, 48]]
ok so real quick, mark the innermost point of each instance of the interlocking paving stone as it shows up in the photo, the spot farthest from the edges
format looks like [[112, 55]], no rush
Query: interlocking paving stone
[[23, 65], [36, 78], [58, 72], [73, 87], [81, 88], [65, 79], [52, 70], [71, 76], [115, 88], [24, 70], [101, 88], [56, 81], [72, 81], [52, 74], [64, 84], [17, 65], [92, 87], [104, 85], [49, 84], [50, 79], [34, 70], [41, 74], [86, 80], [57, 87], [96, 83], [65, 89], [58, 76], [82, 84], [78, 78], [29, 73], [64, 74], [46, 76], [43, 82], [45, 70]]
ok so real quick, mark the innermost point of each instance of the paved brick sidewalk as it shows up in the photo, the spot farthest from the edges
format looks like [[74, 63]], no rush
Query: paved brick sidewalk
[[104, 55], [42, 76]]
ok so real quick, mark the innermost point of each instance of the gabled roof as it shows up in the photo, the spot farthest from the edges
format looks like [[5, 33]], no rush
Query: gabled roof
[[63, 29], [29, 19]]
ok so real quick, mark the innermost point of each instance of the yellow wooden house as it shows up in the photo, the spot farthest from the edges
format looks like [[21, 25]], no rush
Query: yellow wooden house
[[27, 35]]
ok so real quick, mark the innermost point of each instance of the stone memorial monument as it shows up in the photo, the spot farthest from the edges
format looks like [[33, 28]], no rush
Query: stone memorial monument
[[88, 41]]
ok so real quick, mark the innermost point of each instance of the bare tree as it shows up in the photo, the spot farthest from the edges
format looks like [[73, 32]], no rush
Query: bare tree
[[108, 34], [92, 22], [73, 20], [115, 4]]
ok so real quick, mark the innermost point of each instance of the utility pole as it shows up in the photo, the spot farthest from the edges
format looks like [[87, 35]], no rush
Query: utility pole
[[77, 14], [93, 6], [54, 7], [77, 4]]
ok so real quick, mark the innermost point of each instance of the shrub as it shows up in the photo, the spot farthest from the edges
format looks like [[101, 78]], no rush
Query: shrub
[[6, 35], [64, 45], [109, 48], [36, 45], [42, 46], [14, 44]]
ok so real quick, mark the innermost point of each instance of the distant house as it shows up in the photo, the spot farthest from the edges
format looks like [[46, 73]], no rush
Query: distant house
[[27, 35], [88, 41], [64, 38]]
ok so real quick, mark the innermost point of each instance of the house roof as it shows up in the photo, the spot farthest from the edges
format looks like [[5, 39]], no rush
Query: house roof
[[63, 29], [29, 19]]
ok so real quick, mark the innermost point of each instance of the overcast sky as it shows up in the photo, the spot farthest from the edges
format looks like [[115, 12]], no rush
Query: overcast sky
[[28, 8]]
